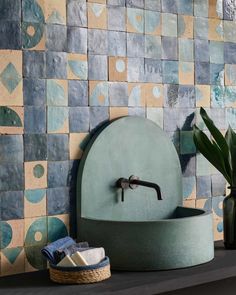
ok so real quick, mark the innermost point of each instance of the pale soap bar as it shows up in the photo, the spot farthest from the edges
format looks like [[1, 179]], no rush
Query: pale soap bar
[[78, 259], [93, 256], [66, 261]]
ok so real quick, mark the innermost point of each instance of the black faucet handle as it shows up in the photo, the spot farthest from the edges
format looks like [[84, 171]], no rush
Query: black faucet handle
[[122, 183]]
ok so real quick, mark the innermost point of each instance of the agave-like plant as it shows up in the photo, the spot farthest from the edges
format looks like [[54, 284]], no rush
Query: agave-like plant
[[219, 150]]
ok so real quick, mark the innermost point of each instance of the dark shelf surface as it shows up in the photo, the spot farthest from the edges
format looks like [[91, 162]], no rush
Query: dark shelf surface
[[158, 282]]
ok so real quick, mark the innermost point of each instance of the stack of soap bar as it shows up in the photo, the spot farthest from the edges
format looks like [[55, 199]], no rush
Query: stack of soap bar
[[82, 258]]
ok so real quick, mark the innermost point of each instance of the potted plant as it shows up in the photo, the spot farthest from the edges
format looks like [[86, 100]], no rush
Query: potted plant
[[220, 151]]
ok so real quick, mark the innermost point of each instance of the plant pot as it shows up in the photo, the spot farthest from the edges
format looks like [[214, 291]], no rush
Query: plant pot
[[229, 218]]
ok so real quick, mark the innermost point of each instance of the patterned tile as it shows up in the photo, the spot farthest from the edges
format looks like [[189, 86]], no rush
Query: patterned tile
[[11, 120], [97, 16], [117, 69], [135, 20], [35, 203], [55, 12], [35, 174], [57, 92], [77, 143], [57, 120]]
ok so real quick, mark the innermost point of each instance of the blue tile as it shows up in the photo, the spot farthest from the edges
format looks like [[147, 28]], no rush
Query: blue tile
[[7, 181], [135, 45], [35, 119], [185, 7], [152, 71], [98, 67], [11, 148], [217, 96], [169, 6], [170, 72], [202, 52], [153, 5], [10, 35], [98, 116], [202, 73], [58, 201], [34, 64], [97, 41], [116, 18], [217, 74], [135, 3], [201, 28], [229, 53], [153, 46], [188, 165], [78, 93], [169, 48], [216, 52], [137, 112], [117, 43], [35, 147], [77, 13], [12, 205], [203, 187], [73, 35], [171, 98], [34, 92], [79, 119], [58, 174], [56, 65], [56, 37], [10, 10], [118, 93], [73, 171], [218, 185], [186, 96], [58, 147], [32, 12]]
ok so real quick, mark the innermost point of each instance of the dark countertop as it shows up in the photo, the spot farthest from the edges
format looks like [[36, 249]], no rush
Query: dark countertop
[[221, 268]]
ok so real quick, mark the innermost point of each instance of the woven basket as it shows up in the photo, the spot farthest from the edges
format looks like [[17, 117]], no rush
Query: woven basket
[[81, 274]]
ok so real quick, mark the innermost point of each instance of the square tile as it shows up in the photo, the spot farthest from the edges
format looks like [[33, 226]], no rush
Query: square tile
[[135, 20], [186, 96], [186, 73], [203, 94], [217, 30], [12, 233], [79, 119], [169, 48], [117, 69], [57, 120], [153, 94], [97, 67], [228, 14], [35, 119], [7, 183], [56, 37], [58, 147], [12, 205], [169, 6], [33, 35], [116, 2], [34, 64], [153, 5], [152, 24], [116, 18], [135, 45], [73, 35], [217, 206], [118, 112], [186, 51], [77, 143], [217, 74], [188, 165], [202, 165], [215, 9], [35, 231], [170, 72], [12, 261], [217, 96], [155, 115], [34, 261], [34, 91], [201, 8], [58, 174], [97, 41], [58, 200], [57, 92], [229, 97], [185, 7], [137, 112], [35, 147], [11, 149], [78, 93], [218, 185], [58, 227], [13, 29], [201, 28], [117, 43], [77, 13], [202, 50], [98, 116], [216, 52], [202, 73], [218, 229], [171, 98], [189, 188], [118, 94], [11, 120], [187, 145], [230, 75], [35, 174], [55, 12], [11, 78], [33, 13], [135, 3], [185, 26], [56, 64], [229, 50], [153, 71], [189, 203], [153, 47], [10, 11], [135, 69], [98, 93], [204, 204], [203, 187], [97, 16], [169, 25], [35, 203], [136, 95]]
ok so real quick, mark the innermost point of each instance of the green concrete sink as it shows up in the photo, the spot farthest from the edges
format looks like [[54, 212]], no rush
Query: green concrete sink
[[141, 233]]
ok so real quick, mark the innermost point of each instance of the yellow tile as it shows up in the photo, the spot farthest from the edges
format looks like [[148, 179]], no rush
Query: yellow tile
[[189, 203], [117, 68], [204, 93], [55, 11], [186, 73], [200, 203], [17, 112], [35, 175], [76, 145], [8, 268], [77, 68], [18, 227], [215, 31], [154, 94], [117, 112], [137, 94], [188, 32], [97, 16], [212, 12]]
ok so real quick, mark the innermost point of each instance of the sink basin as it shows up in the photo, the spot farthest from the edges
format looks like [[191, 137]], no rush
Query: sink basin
[[182, 241], [138, 231]]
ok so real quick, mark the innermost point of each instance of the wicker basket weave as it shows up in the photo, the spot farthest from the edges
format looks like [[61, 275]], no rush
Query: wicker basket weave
[[81, 275]]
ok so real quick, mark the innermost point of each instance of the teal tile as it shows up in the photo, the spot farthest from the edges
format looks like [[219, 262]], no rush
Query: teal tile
[[230, 96], [99, 95], [217, 96], [229, 31], [152, 46], [185, 7], [152, 21], [187, 145], [10, 78], [56, 94], [136, 19], [189, 185], [186, 52], [170, 72], [201, 8], [217, 74], [57, 119], [216, 52], [201, 28], [37, 226], [169, 24]]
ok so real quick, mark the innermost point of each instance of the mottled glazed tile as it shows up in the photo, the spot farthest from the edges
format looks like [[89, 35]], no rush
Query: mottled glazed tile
[[135, 20], [135, 45], [77, 143], [137, 112], [169, 25], [135, 3], [189, 203], [185, 26], [73, 35], [136, 94], [35, 147], [34, 92], [12, 205], [118, 94], [7, 182], [58, 147], [202, 73], [118, 112], [186, 96], [203, 187], [218, 185], [217, 74], [58, 200], [169, 6], [57, 120], [203, 167], [187, 145], [170, 72], [33, 35], [217, 96], [185, 7], [116, 18], [216, 30], [58, 174], [79, 119], [189, 188], [77, 93], [153, 71], [56, 65], [12, 261], [229, 53], [55, 12], [98, 93], [97, 67], [201, 28], [97, 16], [135, 69], [97, 41], [34, 64], [169, 48], [230, 96], [35, 174], [35, 203], [34, 119], [202, 50], [77, 68], [186, 50], [153, 5], [57, 92], [203, 94], [153, 94], [152, 23], [171, 95], [231, 117], [13, 29], [10, 11], [35, 231], [58, 227], [77, 13], [117, 43], [11, 120], [186, 73], [56, 37], [11, 148], [201, 8], [215, 9], [230, 75], [216, 52], [188, 165], [153, 47], [117, 69], [98, 116], [116, 2]]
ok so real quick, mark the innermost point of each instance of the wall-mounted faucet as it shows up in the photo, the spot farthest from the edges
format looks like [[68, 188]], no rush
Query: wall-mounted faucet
[[134, 182]]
